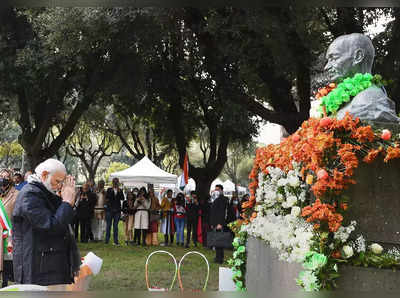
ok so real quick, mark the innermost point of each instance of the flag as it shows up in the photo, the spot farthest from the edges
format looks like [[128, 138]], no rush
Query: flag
[[5, 225], [185, 174]]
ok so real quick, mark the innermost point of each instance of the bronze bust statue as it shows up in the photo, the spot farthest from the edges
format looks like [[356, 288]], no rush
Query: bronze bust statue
[[354, 53]]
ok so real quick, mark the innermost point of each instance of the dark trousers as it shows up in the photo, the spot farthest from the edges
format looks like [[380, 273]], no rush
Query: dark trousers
[[8, 273], [140, 233], [112, 218], [191, 229], [204, 229], [84, 224], [219, 255], [76, 227]]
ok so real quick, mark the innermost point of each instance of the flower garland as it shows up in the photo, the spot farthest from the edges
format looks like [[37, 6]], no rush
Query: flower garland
[[332, 97], [296, 191], [239, 257]]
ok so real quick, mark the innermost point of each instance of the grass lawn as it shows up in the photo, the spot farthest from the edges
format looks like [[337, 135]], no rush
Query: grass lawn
[[124, 266]]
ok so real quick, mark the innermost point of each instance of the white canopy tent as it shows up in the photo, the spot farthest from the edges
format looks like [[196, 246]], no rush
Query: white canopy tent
[[175, 187], [144, 172], [229, 186], [242, 190]]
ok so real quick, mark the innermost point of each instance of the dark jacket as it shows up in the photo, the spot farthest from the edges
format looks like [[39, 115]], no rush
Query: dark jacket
[[232, 216], [41, 240], [192, 212], [85, 205], [126, 209], [218, 211], [205, 212], [113, 202]]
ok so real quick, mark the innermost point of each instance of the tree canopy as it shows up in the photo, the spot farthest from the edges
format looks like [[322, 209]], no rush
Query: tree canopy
[[163, 81]]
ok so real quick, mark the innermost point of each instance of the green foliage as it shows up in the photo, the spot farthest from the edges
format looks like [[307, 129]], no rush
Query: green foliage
[[115, 167], [239, 257]]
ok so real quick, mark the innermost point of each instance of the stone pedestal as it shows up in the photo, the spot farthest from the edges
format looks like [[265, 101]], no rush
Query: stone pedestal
[[266, 274]]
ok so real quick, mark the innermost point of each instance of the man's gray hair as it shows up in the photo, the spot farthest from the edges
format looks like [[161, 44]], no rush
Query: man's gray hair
[[50, 165]]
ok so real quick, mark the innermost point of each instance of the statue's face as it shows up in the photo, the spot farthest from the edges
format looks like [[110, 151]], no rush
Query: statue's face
[[340, 60]]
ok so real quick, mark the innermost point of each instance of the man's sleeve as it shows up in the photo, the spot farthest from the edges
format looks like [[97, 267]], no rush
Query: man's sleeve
[[41, 218]]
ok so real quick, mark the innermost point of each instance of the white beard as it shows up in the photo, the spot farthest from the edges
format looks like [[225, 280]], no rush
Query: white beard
[[47, 184]]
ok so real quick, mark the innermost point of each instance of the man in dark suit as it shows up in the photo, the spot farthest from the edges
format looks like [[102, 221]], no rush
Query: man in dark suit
[[218, 214], [114, 197]]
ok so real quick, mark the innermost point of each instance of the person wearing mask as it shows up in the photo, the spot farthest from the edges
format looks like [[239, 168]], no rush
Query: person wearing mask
[[98, 223], [167, 221], [44, 249], [112, 206], [142, 206], [218, 214], [179, 219], [84, 212], [234, 209], [192, 218], [152, 237], [128, 210], [19, 182], [8, 196]]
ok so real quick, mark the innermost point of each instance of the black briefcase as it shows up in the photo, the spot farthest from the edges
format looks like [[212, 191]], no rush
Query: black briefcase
[[220, 239]]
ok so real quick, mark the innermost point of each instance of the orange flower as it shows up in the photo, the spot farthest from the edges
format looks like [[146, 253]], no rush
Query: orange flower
[[392, 152], [344, 206], [363, 134], [319, 212], [336, 254], [372, 154]]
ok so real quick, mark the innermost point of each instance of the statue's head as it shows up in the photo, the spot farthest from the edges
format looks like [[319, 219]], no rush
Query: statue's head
[[349, 54]]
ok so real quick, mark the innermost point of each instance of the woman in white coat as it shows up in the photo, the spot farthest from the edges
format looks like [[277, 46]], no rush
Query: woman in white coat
[[142, 206]]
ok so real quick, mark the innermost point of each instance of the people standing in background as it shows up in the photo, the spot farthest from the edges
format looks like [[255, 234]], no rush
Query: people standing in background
[[192, 218], [179, 218], [152, 237], [26, 176], [19, 182], [142, 206], [85, 211], [112, 206], [218, 214], [98, 223], [167, 221], [128, 210], [8, 196], [234, 209]]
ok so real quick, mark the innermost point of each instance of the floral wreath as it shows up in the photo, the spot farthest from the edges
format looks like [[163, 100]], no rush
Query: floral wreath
[[296, 190]]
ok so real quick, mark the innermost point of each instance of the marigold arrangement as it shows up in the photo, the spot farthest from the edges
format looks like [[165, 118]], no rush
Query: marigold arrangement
[[297, 191]]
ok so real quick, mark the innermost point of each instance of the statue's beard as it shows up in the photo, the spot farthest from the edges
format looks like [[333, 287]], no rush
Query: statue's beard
[[47, 184]]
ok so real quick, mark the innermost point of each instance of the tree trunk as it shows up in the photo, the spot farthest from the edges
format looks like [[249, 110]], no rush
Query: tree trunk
[[34, 158], [203, 183]]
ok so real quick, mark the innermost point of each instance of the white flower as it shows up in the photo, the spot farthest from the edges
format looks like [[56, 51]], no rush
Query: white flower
[[359, 244], [280, 198], [376, 248], [295, 211], [314, 111], [282, 182], [348, 251], [343, 233], [291, 201], [294, 181]]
